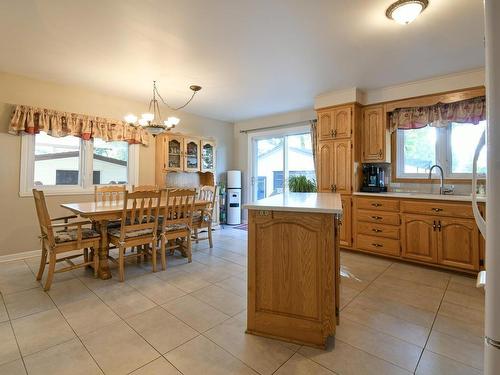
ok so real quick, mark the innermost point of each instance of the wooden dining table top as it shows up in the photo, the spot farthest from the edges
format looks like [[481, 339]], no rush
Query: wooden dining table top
[[96, 209]]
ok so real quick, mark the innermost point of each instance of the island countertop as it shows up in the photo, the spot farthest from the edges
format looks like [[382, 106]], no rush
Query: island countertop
[[328, 203]]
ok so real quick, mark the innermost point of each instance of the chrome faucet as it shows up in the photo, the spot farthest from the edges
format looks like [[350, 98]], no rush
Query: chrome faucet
[[442, 189]]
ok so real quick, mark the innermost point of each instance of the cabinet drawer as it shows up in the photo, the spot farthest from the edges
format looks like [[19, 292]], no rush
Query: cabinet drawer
[[378, 204], [437, 208], [378, 230], [378, 217], [378, 244]]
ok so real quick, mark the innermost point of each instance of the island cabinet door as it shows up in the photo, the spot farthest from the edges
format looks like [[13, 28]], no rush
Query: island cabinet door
[[325, 166], [345, 230], [291, 276], [420, 238], [458, 243]]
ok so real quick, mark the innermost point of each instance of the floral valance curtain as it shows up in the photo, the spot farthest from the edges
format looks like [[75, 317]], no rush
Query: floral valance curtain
[[439, 115], [33, 120]]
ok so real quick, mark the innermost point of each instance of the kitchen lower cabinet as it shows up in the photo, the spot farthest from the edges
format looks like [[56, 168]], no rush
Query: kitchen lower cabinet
[[345, 231], [458, 243], [419, 238]]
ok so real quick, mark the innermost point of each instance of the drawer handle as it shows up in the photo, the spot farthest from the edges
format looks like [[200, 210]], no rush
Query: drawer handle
[[377, 218], [377, 245], [377, 230], [376, 204], [437, 209]]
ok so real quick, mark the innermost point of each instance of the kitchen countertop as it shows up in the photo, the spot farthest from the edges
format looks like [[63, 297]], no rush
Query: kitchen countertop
[[328, 203], [416, 195]]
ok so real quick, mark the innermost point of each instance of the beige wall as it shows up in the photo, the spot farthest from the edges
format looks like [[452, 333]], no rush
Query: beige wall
[[18, 221]]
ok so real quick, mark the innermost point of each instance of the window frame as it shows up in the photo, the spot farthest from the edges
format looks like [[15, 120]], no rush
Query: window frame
[[443, 158], [85, 184]]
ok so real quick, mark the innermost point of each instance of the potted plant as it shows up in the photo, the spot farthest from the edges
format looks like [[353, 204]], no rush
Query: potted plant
[[301, 184]]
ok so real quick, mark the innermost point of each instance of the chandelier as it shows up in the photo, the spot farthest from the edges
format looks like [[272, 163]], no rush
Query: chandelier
[[152, 120]]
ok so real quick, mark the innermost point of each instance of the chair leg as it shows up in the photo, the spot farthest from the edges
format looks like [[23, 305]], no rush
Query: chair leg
[[196, 234], [121, 263], [95, 258], [43, 261], [52, 268], [210, 235], [163, 253], [86, 255], [188, 250], [154, 256]]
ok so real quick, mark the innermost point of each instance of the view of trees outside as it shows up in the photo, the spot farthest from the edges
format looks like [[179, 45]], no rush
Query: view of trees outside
[[419, 149], [116, 149], [464, 139]]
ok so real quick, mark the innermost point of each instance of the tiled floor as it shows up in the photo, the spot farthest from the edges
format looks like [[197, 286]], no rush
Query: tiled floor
[[395, 319]]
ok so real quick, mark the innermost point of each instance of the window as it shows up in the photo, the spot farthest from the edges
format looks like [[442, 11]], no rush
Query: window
[[70, 165], [451, 147]]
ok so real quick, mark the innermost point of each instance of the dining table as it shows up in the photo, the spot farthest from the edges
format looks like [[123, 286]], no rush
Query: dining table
[[101, 213]]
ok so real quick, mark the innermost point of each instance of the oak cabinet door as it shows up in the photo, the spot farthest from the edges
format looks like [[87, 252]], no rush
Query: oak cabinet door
[[345, 234], [325, 125], [342, 120], [373, 134], [325, 166], [458, 244], [420, 240], [342, 169]]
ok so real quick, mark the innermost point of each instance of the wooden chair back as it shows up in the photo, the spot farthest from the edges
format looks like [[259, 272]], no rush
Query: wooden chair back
[[109, 193], [209, 193], [178, 207], [145, 188], [43, 217], [140, 212]]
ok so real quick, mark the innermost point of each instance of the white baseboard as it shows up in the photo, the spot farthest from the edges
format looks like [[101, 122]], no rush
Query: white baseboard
[[18, 256]]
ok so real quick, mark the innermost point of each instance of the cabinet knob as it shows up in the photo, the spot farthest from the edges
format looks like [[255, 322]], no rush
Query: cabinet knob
[[376, 204], [377, 245], [376, 218], [334, 134], [380, 153], [376, 230], [334, 188], [437, 209]]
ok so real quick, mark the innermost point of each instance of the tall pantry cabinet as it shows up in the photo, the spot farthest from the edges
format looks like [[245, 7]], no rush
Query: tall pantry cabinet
[[338, 156]]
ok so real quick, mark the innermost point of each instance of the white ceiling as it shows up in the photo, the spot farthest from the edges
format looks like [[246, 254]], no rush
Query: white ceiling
[[253, 57]]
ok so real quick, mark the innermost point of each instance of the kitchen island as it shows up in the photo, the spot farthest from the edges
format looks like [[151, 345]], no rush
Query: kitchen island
[[293, 267]]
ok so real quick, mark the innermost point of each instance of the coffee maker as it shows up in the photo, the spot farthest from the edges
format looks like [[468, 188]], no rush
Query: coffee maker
[[373, 179]]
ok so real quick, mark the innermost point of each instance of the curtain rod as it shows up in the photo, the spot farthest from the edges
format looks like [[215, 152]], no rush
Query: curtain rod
[[275, 126]]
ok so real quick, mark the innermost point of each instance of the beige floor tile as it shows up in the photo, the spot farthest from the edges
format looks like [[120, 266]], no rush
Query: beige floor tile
[[234, 285], [202, 356], [3, 310], [347, 360], [118, 349], [419, 274], [461, 286], [435, 364], [300, 365], [227, 302], [157, 290], [195, 313], [464, 280], [16, 276], [389, 348], [13, 368], [467, 352], [215, 273], [347, 295], [69, 291], [161, 329], [396, 309], [34, 264], [159, 366], [386, 323], [458, 328], [416, 288], [263, 355], [27, 302], [8, 345], [88, 315], [473, 302], [359, 275], [350, 257], [58, 359], [124, 300], [41, 331], [183, 280], [462, 313]]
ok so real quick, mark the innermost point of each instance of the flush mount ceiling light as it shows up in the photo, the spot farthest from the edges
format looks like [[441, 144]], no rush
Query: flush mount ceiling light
[[406, 11], [152, 120]]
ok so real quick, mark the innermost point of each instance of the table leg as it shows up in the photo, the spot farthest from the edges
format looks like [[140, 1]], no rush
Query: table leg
[[104, 272]]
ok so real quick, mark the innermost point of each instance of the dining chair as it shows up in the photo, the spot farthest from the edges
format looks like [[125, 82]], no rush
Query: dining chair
[[60, 238], [176, 222], [138, 226], [204, 218], [145, 188], [108, 194]]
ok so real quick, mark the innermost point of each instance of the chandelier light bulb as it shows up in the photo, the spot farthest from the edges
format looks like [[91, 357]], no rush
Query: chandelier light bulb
[[143, 122], [130, 118], [148, 116], [406, 11], [173, 120]]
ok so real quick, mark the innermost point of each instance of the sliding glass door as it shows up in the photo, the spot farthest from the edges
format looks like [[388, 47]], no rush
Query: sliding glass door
[[277, 157]]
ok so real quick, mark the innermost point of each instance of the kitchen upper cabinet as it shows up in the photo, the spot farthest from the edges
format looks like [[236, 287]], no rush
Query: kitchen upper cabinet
[[174, 146], [420, 238], [345, 232], [459, 243], [208, 155], [335, 123], [334, 165], [342, 167], [374, 135], [191, 154], [325, 166]]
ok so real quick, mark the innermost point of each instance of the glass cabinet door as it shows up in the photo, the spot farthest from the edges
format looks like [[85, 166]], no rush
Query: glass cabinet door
[[207, 156], [192, 155], [174, 153]]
